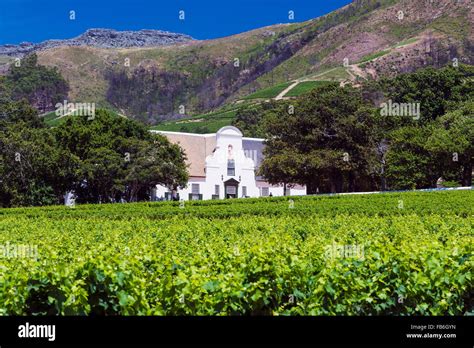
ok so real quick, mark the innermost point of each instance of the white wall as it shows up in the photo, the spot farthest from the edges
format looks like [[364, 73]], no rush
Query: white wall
[[229, 144]]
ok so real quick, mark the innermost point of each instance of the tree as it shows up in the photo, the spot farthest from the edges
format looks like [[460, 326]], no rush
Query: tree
[[119, 158], [409, 163], [435, 89], [12, 112], [249, 119], [326, 144], [420, 151], [453, 140], [98, 176], [33, 169], [42, 86], [153, 163]]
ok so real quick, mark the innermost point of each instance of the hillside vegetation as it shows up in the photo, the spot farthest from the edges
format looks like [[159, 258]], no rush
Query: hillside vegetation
[[201, 76]]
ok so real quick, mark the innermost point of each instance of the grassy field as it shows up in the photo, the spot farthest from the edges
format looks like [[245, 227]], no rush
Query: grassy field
[[334, 74], [206, 123], [268, 93], [305, 87], [382, 254]]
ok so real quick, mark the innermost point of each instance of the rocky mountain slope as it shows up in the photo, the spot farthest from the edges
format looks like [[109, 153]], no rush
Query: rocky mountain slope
[[366, 39], [101, 38]]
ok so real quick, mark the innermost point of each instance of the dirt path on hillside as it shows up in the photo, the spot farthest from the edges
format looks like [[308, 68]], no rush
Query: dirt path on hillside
[[355, 71], [286, 90], [282, 94]]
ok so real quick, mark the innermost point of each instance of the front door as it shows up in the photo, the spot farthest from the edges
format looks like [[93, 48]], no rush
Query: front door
[[231, 188], [231, 191]]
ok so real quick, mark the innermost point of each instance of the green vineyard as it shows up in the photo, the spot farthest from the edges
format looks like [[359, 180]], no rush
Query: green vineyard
[[382, 254]]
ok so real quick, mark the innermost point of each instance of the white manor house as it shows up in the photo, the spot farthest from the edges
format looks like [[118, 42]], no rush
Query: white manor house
[[222, 165]]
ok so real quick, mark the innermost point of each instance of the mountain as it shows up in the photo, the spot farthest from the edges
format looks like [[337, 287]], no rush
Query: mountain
[[365, 39], [101, 38]]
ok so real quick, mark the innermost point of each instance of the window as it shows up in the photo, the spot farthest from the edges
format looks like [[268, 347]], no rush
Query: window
[[244, 191], [251, 154], [230, 168], [231, 190], [265, 191], [217, 190], [195, 196]]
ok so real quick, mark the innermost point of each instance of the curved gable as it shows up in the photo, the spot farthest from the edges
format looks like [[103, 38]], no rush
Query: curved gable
[[230, 131]]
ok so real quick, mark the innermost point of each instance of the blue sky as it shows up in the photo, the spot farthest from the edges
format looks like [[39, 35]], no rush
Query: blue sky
[[38, 20]]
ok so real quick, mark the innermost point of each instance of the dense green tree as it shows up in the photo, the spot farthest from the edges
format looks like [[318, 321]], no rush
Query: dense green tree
[[12, 112], [42, 86], [106, 159], [416, 158], [119, 158], [409, 164], [453, 141], [153, 163], [328, 143], [33, 169], [249, 119], [437, 90], [99, 172], [335, 141]]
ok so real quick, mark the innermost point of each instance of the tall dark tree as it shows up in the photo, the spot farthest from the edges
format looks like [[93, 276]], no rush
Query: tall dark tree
[[119, 158], [409, 164], [453, 140], [328, 143], [33, 168], [12, 112], [435, 89], [416, 158]]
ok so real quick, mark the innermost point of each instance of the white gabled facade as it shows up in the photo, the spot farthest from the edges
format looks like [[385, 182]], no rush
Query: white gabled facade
[[229, 167], [230, 162]]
